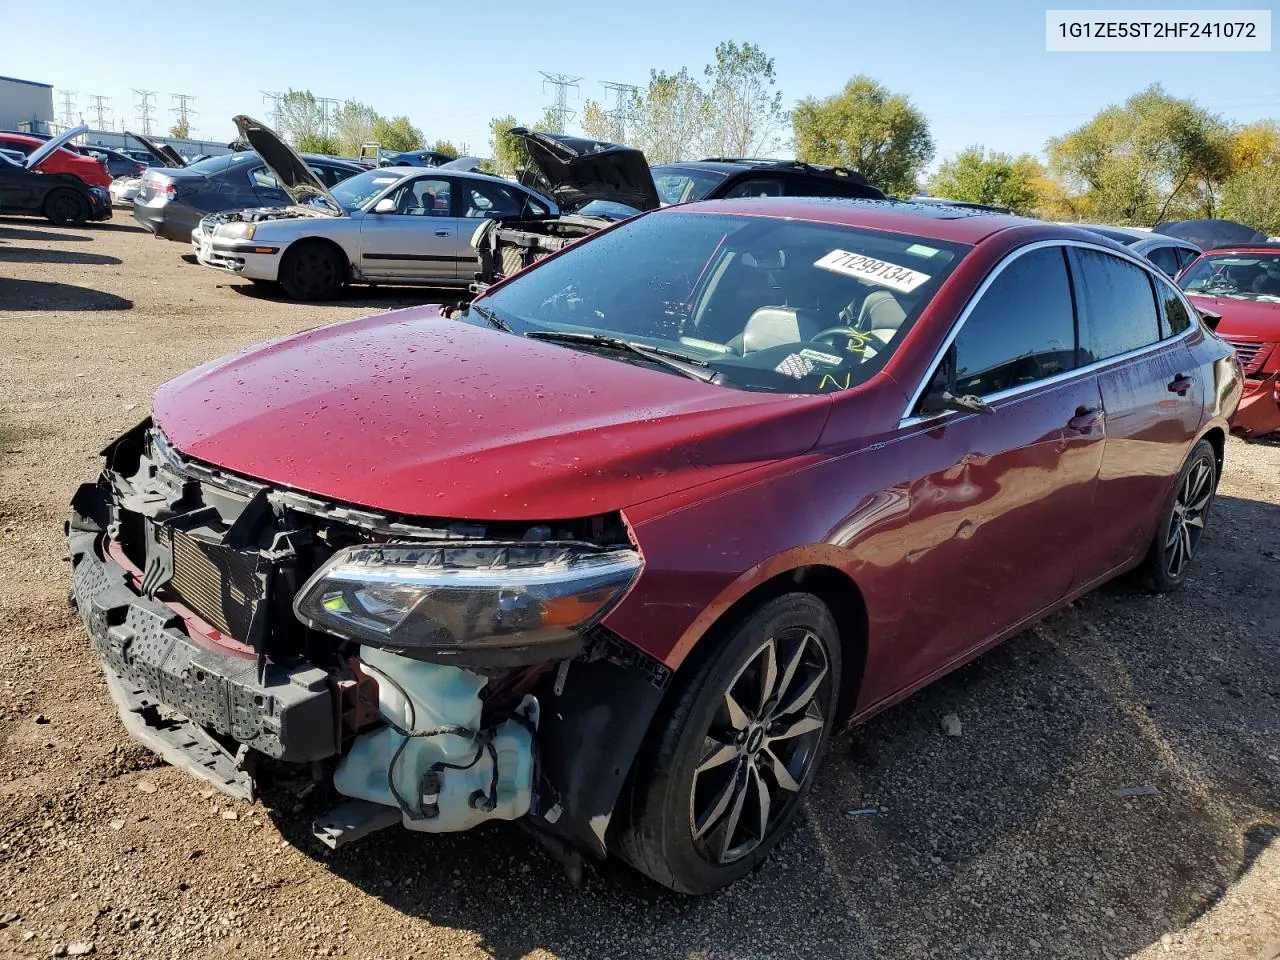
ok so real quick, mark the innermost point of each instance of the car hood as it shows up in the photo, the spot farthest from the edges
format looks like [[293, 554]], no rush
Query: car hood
[[37, 156], [412, 413], [161, 151], [574, 171], [1243, 318], [296, 178]]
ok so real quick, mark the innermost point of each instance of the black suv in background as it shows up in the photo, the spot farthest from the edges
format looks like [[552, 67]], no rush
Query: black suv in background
[[718, 177]]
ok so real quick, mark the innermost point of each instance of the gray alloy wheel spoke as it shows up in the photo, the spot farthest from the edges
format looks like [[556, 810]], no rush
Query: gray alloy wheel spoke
[[806, 724], [800, 699], [1187, 546], [768, 676], [718, 755], [739, 786], [1196, 521], [1175, 556], [793, 665], [780, 772], [763, 799], [1175, 531], [718, 808], [737, 716]]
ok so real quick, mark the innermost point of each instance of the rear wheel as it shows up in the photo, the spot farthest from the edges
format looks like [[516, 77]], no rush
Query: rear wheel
[[313, 270], [1182, 525], [720, 787], [66, 208]]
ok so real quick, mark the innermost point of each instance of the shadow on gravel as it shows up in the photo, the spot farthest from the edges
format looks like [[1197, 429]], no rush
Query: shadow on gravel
[[28, 295], [1006, 841], [117, 225], [32, 255], [378, 298], [16, 233]]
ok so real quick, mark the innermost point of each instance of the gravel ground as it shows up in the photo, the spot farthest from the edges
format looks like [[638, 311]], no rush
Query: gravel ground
[[1004, 841]]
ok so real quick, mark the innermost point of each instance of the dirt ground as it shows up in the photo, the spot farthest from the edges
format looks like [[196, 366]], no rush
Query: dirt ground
[[1006, 841]]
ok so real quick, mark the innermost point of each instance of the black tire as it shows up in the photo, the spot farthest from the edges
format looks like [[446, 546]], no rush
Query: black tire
[[1183, 522], [672, 832], [313, 270], [66, 208]]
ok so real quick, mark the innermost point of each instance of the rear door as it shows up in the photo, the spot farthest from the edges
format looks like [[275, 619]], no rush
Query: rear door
[[418, 241], [996, 509], [1152, 397]]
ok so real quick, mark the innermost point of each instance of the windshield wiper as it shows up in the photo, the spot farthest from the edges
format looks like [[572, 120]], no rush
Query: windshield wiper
[[492, 318], [691, 367]]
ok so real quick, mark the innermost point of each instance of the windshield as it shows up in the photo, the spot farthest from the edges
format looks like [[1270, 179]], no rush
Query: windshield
[[761, 303], [1242, 276], [354, 192], [678, 184]]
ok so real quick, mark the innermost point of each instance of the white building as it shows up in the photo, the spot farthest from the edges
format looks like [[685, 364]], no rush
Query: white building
[[26, 105]]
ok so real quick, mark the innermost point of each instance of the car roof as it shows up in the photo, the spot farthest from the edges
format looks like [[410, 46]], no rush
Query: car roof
[[956, 224], [465, 174], [24, 137]]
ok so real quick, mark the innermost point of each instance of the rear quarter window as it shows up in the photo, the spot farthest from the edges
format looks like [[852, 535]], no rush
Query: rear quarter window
[[1118, 306]]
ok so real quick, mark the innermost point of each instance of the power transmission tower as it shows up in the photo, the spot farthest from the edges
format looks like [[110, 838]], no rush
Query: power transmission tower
[[145, 109], [277, 113], [183, 110], [328, 107], [98, 104], [622, 112], [68, 108], [561, 82]]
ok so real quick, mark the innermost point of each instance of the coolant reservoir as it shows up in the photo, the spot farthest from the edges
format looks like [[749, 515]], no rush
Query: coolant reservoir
[[417, 697]]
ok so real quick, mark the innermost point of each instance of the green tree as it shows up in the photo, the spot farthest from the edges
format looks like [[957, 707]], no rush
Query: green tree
[[509, 154], [447, 146], [397, 134], [1154, 158], [671, 118], [998, 179], [596, 122], [354, 124], [742, 109], [300, 116], [181, 130], [867, 127], [318, 143]]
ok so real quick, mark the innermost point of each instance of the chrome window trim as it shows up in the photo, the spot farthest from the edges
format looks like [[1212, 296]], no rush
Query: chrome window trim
[[907, 420]]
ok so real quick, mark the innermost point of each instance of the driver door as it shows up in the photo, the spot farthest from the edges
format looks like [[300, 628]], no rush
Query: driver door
[[417, 240]]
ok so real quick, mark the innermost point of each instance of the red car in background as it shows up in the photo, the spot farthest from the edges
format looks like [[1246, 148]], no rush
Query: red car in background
[[616, 548], [89, 169], [1241, 284]]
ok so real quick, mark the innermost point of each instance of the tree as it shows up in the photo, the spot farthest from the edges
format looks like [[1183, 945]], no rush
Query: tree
[[742, 110], [509, 154], [992, 178], [397, 134], [300, 116], [597, 124], [865, 126], [671, 118], [354, 125], [318, 143], [447, 146], [1153, 158], [180, 130], [1252, 193]]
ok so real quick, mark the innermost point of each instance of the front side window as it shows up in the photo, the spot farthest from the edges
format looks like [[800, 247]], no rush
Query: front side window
[[758, 303], [424, 198], [757, 187], [1166, 258], [1118, 306], [1239, 276], [1021, 330], [1185, 256]]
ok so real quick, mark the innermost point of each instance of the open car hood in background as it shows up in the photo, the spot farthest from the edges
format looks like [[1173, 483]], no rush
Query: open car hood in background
[[161, 151], [575, 171], [1207, 234], [295, 177], [36, 157]]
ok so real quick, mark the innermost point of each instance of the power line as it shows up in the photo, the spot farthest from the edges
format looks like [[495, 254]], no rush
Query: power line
[[325, 104], [144, 108], [623, 110], [561, 82], [68, 108], [277, 112], [98, 104], [183, 110]]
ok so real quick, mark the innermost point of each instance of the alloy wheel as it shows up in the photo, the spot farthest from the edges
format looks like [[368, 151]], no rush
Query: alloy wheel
[[760, 746], [1187, 524]]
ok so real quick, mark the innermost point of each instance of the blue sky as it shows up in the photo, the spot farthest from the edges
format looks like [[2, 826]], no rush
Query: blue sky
[[978, 70]]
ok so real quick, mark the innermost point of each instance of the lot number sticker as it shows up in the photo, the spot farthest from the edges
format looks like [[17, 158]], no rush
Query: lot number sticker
[[870, 269]]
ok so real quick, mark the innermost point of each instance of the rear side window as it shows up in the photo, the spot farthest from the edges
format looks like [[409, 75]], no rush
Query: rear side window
[[757, 187], [827, 187], [1185, 256], [1174, 317], [1166, 258], [1118, 306], [1021, 330]]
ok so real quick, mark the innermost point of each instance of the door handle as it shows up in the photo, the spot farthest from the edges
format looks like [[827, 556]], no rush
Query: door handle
[[1085, 419], [443, 233], [1181, 384]]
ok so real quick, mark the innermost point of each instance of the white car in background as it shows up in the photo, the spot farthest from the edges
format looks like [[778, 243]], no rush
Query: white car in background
[[392, 225]]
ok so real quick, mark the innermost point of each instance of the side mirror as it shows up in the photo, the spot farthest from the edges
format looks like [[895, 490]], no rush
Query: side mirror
[[945, 400], [1210, 318], [385, 205]]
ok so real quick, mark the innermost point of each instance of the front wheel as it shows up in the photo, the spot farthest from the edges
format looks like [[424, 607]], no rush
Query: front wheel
[[313, 270], [1183, 523], [718, 790], [66, 208]]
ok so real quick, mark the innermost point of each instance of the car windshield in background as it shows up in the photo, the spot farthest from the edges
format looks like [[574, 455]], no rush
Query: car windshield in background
[[754, 303], [1245, 276], [678, 184], [354, 192]]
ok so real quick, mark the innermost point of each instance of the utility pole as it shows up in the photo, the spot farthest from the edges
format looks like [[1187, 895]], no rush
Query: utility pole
[[183, 110], [328, 107], [276, 113], [144, 108], [560, 82], [68, 108], [623, 99], [98, 104]]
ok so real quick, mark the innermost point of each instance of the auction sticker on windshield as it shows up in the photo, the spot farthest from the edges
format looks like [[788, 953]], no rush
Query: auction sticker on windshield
[[881, 272]]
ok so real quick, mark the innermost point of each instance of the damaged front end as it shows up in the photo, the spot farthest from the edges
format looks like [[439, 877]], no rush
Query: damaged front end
[[438, 673]]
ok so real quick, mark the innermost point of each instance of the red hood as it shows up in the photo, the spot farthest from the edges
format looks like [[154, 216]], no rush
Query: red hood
[[1243, 318], [412, 413]]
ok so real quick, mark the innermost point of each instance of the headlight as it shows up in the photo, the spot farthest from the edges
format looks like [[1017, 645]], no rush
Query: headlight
[[238, 230], [408, 596]]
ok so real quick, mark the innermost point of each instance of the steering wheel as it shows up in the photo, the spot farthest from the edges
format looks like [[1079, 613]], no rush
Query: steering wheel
[[859, 338]]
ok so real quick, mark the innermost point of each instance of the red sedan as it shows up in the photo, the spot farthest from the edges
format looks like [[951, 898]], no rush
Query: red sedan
[[617, 548], [1242, 286], [89, 169]]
